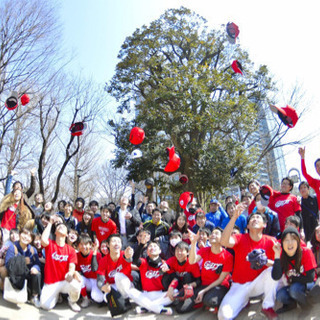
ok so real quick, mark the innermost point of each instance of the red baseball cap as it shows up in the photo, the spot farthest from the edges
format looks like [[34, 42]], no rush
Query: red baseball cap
[[287, 115], [185, 199], [237, 67], [136, 135], [174, 160]]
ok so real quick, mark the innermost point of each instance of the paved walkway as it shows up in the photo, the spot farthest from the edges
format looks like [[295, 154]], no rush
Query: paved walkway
[[62, 311]]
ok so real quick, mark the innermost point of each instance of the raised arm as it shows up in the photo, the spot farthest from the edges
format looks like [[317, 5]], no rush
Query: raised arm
[[226, 238]]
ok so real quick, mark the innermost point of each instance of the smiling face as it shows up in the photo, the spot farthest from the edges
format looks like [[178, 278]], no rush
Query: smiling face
[[156, 217], [25, 238], [290, 244], [231, 209], [115, 244], [61, 230], [105, 215], [72, 236], [304, 191], [285, 186], [17, 195], [181, 221], [181, 254], [253, 188], [317, 233], [85, 247], [37, 242]]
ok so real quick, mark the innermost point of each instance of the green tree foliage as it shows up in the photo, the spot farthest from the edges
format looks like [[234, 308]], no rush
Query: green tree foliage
[[175, 76]]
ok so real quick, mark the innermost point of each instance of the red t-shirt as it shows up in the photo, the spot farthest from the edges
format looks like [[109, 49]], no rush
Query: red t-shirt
[[211, 262], [151, 279], [57, 261], [285, 205], [314, 183], [108, 267], [191, 218], [103, 229], [9, 220], [78, 214], [84, 264], [308, 262], [242, 271], [181, 270]]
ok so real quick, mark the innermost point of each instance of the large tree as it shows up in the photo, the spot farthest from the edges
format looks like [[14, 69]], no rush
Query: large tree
[[175, 75]]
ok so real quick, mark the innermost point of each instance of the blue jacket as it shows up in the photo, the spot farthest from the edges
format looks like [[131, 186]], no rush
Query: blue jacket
[[217, 217], [241, 222], [32, 254]]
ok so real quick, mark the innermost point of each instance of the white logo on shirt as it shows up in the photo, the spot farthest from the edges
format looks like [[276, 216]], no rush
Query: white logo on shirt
[[152, 274], [103, 230], [281, 203], [85, 268], [113, 272], [209, 265], [59, 257]]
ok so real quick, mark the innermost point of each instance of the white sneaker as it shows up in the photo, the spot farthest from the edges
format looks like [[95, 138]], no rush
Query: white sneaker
[[74, 307], [35, 301], [141, 310], [85, 302], [166, 311]]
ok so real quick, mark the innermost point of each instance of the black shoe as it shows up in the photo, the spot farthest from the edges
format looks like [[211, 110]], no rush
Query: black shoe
[[287, 307]]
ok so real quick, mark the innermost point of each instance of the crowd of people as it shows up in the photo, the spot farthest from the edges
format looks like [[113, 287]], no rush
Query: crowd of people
[[145, 254]]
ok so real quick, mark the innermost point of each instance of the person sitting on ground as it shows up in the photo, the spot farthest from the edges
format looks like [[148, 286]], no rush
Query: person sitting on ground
[[217, 265], [87, 265], [153, 296], [60, 274], [115, 264], [202, 222], [293, 221], [24, 248], [249, 280], [298, 265], [186, 278]]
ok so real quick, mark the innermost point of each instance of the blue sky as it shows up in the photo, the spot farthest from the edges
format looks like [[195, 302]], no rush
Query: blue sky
[[281, 34]]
